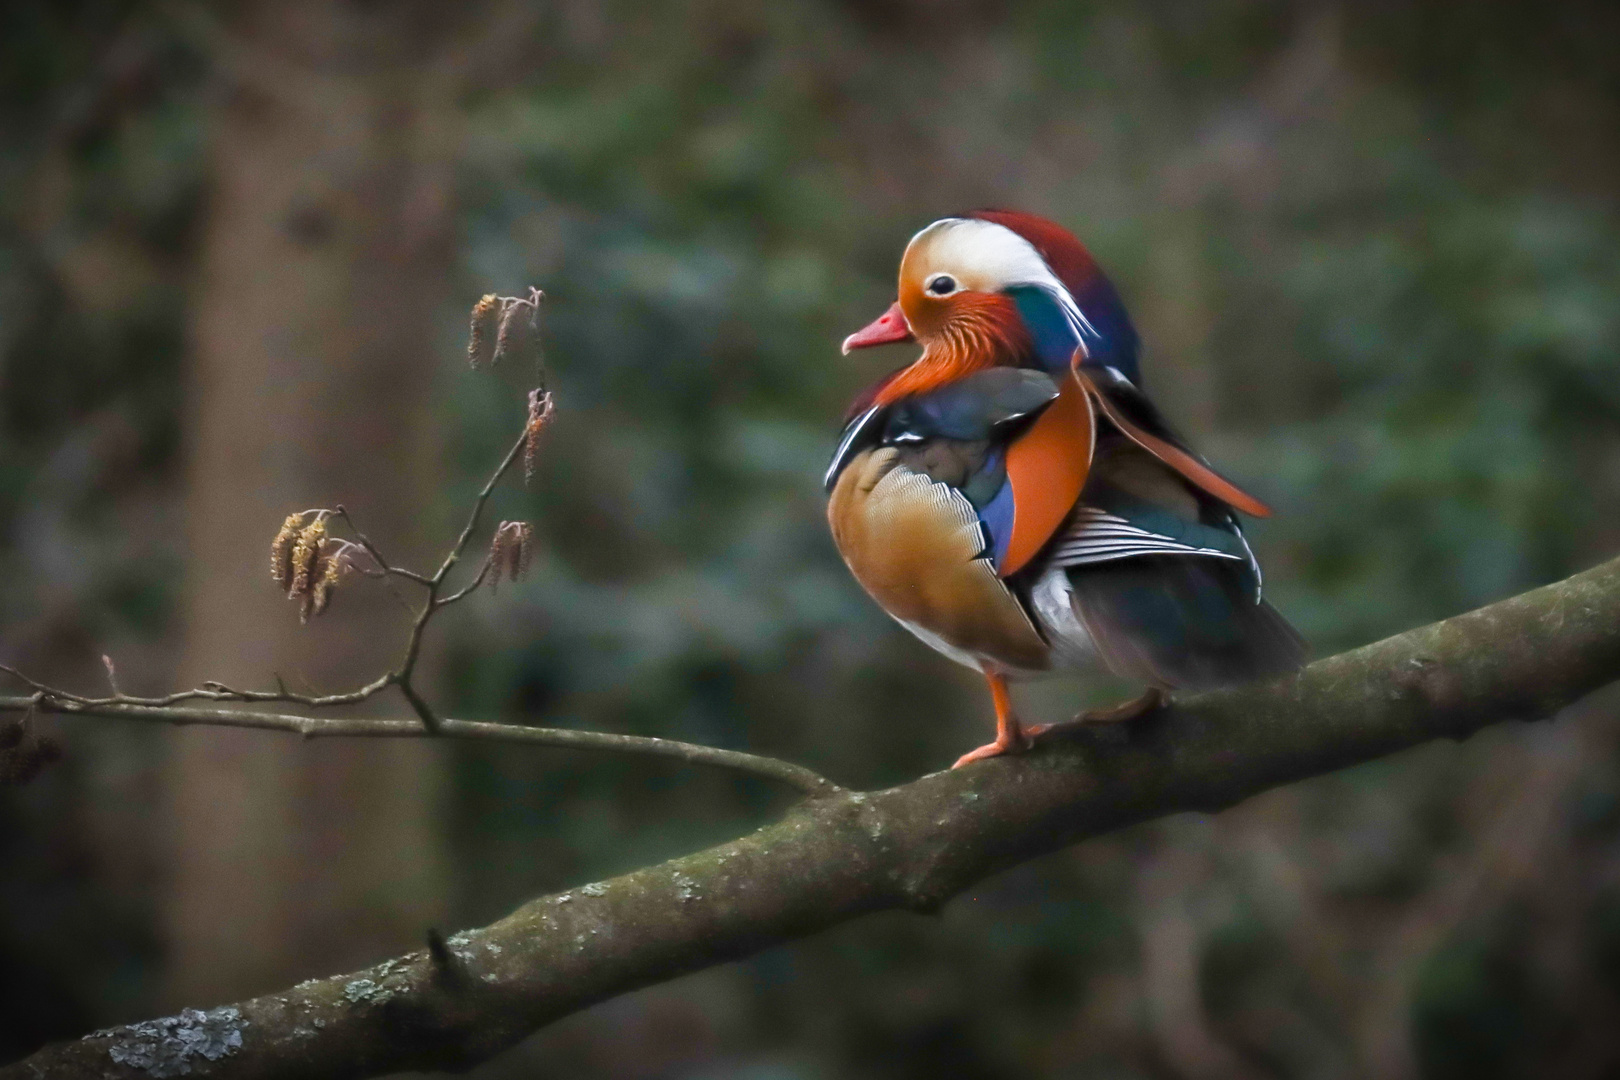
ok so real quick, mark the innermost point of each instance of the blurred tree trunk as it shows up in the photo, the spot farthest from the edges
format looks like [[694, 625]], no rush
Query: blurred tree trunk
[[327, 247]]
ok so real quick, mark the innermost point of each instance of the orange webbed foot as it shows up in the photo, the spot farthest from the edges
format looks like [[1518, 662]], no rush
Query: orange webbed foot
[[995, 749], [1011, 736]]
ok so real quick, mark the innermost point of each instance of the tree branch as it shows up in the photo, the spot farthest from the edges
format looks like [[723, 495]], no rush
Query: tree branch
[[55, 699], [308, 562], [847, 854], [317, 727]]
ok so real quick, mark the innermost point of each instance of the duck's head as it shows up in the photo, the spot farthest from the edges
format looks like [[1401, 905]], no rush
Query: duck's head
[[999, 288]]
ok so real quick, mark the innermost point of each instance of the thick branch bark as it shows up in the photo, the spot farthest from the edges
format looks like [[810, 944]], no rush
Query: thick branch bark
[[846, 854]]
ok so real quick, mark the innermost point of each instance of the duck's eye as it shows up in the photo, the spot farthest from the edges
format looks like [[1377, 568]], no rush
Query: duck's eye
[[941, 284]]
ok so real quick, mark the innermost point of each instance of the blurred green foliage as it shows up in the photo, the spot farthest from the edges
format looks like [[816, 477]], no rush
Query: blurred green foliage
[[1374, 251]]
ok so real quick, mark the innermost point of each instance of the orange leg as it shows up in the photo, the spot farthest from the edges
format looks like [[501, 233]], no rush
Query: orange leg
[[1011, 736]]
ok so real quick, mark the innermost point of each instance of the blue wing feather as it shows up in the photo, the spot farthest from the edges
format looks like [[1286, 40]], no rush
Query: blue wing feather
[[996, 518]]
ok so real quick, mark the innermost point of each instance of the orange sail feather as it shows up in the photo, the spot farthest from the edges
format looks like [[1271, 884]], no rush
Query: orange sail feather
[[1195, 471], [1048, 466]]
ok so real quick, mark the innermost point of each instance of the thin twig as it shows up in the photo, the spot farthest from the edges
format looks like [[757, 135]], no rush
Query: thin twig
[[430, 720], [478, 579], [40, 687], [313, 727], [309, 552], [371, 549], [478, 508], [413, 645], [65, 700], [210, 691], [400, 676]]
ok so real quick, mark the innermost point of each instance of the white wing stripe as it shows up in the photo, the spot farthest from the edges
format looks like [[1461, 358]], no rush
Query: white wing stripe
[[1139, 547], [1109, 543], [1098, 536], [1082, 557]]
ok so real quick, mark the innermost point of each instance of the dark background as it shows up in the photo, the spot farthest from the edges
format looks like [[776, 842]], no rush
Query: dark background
[[1374, 253]]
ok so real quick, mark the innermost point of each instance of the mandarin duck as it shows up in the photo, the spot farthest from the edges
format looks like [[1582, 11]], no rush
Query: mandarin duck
[[1015, 500]]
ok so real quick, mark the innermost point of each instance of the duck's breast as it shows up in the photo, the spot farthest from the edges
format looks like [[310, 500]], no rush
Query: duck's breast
[[916, 546]]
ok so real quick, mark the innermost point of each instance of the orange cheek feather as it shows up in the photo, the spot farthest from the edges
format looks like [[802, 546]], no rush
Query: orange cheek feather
[[966, 333]]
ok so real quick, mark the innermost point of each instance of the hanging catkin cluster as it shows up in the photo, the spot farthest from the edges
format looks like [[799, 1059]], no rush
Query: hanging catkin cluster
[[485, 330], [505, 327], [510, 550], [308, 562]]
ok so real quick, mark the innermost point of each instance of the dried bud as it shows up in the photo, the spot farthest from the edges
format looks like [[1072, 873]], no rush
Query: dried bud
[[540, 410], [281, 549], [305, 553], [481, 336]]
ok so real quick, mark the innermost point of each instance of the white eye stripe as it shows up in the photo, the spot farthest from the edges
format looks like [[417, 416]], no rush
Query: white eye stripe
[[994, 258]]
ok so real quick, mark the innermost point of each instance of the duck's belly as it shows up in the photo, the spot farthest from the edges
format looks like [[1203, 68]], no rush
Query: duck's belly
[[913, 544]]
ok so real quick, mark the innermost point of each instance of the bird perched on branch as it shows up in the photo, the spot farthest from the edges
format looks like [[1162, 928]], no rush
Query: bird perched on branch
[[1015, 500]]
